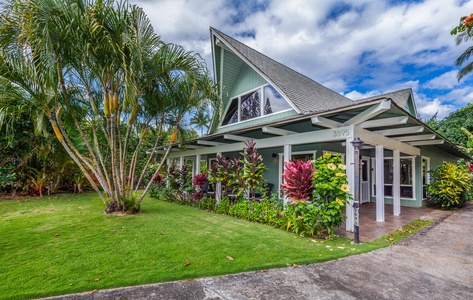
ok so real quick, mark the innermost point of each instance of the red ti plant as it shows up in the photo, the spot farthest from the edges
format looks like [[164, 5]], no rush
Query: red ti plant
[[298, 184], [158, 179], [470, 167], [199, 182]]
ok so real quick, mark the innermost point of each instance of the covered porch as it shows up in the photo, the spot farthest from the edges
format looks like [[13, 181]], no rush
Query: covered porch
[[390, 135], [370, 229]]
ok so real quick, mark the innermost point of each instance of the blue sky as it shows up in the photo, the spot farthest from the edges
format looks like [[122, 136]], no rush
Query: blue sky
[[358, 48]]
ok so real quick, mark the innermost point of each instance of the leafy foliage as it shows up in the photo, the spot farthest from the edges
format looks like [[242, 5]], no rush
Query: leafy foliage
[[253, 168], [100, 87], [464, 33], [298, 184], [451, 184], [7, 179], [451, 126]]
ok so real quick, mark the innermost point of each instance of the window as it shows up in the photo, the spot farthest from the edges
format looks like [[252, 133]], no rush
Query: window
[[406, 177], [250, 106], [263, 101], [273, 101], [425, 175]]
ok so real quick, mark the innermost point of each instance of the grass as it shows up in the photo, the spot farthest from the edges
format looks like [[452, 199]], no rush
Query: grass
[[66, 244]]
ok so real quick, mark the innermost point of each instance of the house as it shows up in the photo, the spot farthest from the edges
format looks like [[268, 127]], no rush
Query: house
[[290, 116]]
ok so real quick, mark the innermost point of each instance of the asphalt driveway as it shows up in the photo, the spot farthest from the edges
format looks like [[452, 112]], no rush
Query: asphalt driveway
[[435, 263]]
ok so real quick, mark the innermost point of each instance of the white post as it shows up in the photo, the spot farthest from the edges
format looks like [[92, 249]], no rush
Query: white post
[[350, 163], [198, 159], [169, 161], [396, 182], [218, 187], [379, 183], [287, 157], [181, 161]]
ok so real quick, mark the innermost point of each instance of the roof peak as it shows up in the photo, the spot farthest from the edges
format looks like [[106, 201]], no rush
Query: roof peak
[[307, 95]]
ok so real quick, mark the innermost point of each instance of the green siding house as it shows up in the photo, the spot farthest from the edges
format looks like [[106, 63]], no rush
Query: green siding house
[[290, 116]]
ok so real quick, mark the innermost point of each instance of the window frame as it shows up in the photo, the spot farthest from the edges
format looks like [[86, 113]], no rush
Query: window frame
[[413, 177], [261, 104]]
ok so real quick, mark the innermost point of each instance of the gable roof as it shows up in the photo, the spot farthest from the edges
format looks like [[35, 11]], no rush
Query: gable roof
[[304, 93], [402, 98]]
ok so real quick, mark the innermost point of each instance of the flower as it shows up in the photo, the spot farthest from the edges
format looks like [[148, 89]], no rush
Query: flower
[[331, 166], [345, 188], [342, 166], [340, 201], [339, 174]]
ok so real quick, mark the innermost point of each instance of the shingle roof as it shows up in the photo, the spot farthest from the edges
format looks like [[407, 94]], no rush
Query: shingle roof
[[304, 93], [399, 97]]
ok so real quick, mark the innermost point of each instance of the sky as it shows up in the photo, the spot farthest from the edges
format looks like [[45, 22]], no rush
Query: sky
[[358, 48]]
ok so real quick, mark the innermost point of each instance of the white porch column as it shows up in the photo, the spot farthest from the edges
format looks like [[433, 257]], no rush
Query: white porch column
[[198, 159], [218, 187], [379, 183], [350, 163], [168, 161], [287, 157], [396, 182], [181, 161]]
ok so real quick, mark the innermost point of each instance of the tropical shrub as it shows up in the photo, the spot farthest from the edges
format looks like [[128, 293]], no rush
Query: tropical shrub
[[302, 218], [253, 168], [450, 186], [198, 182], [298, 184], [267, 211], [7, 179], [331, 190], [221, 171], [223, 206]]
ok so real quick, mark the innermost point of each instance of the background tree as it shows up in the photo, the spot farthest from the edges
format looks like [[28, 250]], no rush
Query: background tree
[[464, 33], [98, 74], [201, 119], [451, 126]]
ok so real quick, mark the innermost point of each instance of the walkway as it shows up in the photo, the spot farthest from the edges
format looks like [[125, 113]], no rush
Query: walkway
[[435, 263], [371, 230]]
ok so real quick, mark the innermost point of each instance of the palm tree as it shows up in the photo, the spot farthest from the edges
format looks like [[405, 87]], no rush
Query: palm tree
[[464, 33], [201, 120], [100, 75]]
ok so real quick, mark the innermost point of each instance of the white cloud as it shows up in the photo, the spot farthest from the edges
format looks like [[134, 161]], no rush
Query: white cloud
[[355, 95], [445, 81], [427, 109], [372, 45]]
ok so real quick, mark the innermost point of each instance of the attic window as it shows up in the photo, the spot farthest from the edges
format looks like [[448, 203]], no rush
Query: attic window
[[263, 101]]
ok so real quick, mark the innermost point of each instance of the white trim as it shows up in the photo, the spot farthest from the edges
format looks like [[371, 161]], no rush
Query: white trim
[[324, 122], [425, 143], [410, 138], [350, 172], [413, 185], [400, 131], [384, 122], [396, 182], [427, 174], [251, 65], [237, 138], [209, 143], [326, 135], [277, 131], [369, 113], [261, 100], [379, 183]]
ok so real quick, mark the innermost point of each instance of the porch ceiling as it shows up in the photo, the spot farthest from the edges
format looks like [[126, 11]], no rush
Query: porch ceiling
[[381, 118]]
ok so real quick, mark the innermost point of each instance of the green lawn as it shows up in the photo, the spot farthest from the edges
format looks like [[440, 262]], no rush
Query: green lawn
[[66, 244]]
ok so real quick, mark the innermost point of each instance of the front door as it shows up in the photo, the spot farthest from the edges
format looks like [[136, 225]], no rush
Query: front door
[[365, 180]]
